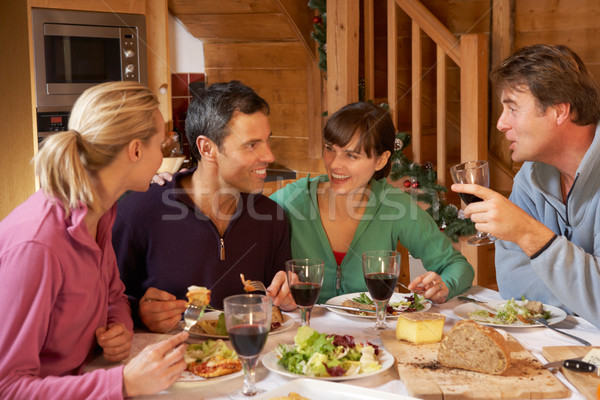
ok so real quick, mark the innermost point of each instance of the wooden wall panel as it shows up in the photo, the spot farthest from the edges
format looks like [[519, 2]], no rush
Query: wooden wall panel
[[276, 86], [239, 27], [118, 6], [180, 7], [258, 55], [560, 15], [289, 120], [291, 152]]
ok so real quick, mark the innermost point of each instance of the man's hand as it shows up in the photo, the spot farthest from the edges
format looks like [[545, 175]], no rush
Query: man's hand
[[115, 341], [160, 311], [280, 292], [500, 217], [156, 368]]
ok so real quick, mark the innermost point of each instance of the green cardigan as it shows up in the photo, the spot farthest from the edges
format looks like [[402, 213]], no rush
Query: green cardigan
[[390, 216]]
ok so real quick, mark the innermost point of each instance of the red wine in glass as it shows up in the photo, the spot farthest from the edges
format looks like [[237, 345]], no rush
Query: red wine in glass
[[381, 285], [305, 294], [248, 340], [469, 198]]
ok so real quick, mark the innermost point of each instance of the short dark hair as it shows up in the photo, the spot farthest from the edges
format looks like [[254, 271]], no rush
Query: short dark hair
[[212, 109], [371, 124], [554, 74]]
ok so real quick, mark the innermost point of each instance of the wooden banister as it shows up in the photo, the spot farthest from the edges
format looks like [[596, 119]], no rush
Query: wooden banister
[[432, 27]]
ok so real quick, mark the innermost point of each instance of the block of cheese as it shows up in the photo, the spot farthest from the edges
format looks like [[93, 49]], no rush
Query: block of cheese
[[593, 357], [420, 327], [475, 347]]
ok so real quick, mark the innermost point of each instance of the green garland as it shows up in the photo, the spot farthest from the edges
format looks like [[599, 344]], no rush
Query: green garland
[[421, 180], [319, 34]]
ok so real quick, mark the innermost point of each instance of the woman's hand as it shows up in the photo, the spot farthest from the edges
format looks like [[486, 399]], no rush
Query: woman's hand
[[156, 368], [115, 340], [280, 292], [431, 286]]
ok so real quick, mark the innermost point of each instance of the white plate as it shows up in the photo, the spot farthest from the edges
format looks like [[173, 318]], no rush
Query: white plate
[[462, 311], [396, 297], [288, 323], [270, 359], [323, 390], [189, 377]]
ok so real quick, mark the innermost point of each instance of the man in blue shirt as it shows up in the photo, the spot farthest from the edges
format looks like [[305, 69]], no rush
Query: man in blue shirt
[[549, 248]]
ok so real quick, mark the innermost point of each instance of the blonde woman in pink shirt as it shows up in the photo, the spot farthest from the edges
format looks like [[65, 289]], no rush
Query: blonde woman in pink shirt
[[60, 292]]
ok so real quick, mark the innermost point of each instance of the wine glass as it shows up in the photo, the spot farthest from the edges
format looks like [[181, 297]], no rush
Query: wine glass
[[305, 277], [248, 321], [381, 269], [477, 172]]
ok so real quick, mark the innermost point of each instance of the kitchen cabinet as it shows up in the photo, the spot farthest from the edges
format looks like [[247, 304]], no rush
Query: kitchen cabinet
[[18, 128]]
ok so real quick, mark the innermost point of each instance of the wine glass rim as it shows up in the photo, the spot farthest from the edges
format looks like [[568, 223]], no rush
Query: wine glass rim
[[381, 253], [238, 298], [305, 261], [477, 164]]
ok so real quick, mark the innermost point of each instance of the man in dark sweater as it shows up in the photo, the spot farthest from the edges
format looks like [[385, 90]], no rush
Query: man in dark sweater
[[208, 225]]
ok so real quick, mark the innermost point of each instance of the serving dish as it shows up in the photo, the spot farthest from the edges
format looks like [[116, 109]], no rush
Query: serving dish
[[270, 360], [396, 297], [288, 323], [462, 311]]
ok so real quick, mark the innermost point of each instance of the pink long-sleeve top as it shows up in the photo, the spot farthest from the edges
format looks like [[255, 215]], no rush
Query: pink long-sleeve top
[[57, 286]]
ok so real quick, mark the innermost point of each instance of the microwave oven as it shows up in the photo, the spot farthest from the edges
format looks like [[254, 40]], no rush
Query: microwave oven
[[74, 50]]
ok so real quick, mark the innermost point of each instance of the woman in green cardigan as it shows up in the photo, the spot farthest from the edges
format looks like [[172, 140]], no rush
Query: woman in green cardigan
[[338, 216]]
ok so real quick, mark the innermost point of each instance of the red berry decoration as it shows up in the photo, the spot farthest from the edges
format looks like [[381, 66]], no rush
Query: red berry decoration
[[415, 185], [317, 20], [407, 183]]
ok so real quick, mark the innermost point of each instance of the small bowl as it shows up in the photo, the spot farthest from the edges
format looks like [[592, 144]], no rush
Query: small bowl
[[171, 164]]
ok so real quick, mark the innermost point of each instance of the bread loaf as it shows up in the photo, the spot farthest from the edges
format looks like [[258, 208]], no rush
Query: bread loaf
[[475, 347]]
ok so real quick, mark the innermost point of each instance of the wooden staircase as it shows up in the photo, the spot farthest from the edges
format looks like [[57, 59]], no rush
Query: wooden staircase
[[266, 44]]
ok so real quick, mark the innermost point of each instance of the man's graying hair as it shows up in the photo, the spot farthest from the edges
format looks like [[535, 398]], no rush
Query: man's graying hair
[[212, 109], [554, 74]]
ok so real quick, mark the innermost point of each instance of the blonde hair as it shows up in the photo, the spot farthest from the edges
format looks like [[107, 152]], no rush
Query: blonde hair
[[104, 119]]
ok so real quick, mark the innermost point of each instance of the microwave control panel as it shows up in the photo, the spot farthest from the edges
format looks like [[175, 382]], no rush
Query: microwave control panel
[[49, 123], [129, 56]]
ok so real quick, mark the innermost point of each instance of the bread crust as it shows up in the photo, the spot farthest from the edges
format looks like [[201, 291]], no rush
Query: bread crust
[[198, 295], [475, 347]]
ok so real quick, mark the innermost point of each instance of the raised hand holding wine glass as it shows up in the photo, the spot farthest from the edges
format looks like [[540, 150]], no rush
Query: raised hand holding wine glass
[[248, 321], [381, 269], [305, 277], [477, 172]]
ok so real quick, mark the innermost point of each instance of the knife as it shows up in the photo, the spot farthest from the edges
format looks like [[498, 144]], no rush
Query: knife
[[574, 364], [478, 302], [344, 308]]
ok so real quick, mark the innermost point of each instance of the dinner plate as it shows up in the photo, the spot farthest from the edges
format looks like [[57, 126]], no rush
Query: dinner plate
[[339, 300], [270, 360], [323, 390], [462, 311], [189, 377], [288, 323]]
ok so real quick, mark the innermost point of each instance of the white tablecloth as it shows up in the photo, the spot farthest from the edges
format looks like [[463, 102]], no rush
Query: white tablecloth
[[533, 339]]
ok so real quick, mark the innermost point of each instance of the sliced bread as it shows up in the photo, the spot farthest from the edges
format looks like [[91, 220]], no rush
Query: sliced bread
[[475, 347]]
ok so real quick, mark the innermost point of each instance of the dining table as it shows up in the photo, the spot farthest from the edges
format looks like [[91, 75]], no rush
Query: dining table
[[387, 382]]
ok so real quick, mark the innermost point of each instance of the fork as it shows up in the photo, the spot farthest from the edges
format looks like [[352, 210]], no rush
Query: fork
[[545, 323], [257, 286], [191, 315]]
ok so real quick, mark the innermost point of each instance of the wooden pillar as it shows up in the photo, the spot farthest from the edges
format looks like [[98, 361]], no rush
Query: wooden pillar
[[441, 115], [473, 126], [369, 40], [416, 91], [157, 38], [392, 64], [342, 53]]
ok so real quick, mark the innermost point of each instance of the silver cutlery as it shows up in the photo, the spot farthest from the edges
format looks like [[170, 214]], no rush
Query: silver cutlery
[[191, 315], [478, 302], [545, 323], [344, 308]]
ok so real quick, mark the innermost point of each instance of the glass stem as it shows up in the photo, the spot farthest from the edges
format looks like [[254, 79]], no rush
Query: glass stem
[[380, 306], [249, 365], [305, 315]]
